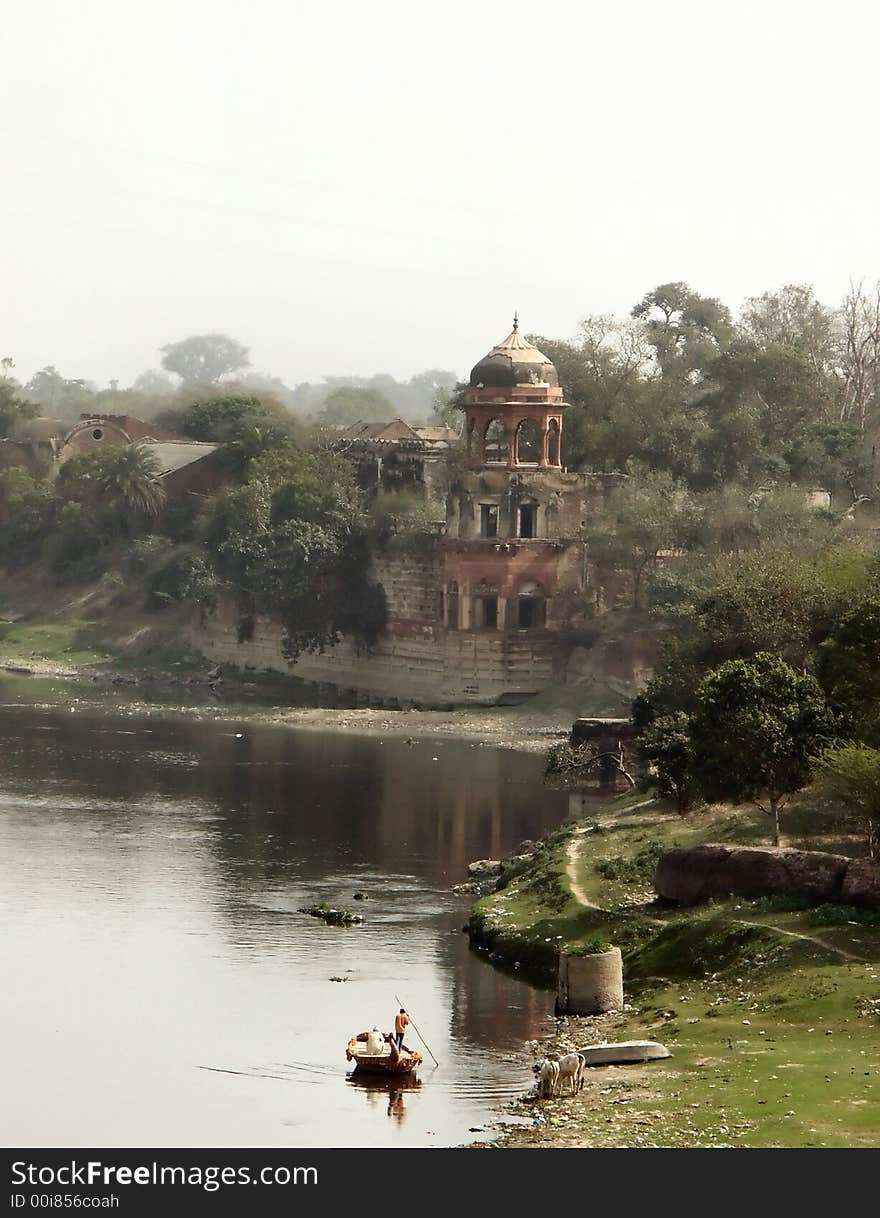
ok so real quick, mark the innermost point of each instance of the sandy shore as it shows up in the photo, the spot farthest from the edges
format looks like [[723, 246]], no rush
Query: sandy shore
[[508, 728], [511, 727]]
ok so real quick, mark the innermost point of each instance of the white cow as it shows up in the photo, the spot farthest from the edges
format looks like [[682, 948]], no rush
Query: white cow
[[548, 1078], [571, 1072]]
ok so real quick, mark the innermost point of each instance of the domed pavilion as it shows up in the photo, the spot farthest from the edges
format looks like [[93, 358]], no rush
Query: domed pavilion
[[513, 408]]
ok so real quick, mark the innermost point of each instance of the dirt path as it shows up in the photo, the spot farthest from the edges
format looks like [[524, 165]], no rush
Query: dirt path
[[794, 934], [573, 854]]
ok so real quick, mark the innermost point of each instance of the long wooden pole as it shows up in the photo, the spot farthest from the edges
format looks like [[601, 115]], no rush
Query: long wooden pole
[[418, 1033]]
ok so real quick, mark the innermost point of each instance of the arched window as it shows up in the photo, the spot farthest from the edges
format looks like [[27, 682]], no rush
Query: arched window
[[496, 443], [470, 438], [553, 443], [528, 442], [530, 607]]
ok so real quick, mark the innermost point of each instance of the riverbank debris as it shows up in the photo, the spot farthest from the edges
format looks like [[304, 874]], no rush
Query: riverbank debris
[[334, 917]]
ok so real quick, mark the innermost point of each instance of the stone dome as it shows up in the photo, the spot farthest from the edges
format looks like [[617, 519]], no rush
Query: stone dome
[[513, 362]]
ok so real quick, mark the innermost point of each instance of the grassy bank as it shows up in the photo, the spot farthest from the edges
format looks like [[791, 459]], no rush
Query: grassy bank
[[770, 1007]]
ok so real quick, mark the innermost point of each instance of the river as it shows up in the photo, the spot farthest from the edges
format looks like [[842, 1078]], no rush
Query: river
[[160, 988]]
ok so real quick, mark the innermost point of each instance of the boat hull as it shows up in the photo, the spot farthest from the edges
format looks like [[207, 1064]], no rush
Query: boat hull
[[623, 1051], [381, 1063]]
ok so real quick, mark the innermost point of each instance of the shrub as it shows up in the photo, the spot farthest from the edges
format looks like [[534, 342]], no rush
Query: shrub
[[594, 946], [639, 868]]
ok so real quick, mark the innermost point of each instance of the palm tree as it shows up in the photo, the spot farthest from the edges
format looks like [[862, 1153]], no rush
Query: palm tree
[[127, 481]]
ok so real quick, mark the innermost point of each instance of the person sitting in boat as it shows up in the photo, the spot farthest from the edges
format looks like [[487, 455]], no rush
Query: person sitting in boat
[[375, 1042], [391, 1042]]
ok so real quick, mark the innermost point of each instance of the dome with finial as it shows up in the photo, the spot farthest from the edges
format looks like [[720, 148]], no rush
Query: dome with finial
[[513, 362]]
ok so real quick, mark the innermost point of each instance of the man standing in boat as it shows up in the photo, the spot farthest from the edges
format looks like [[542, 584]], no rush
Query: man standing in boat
[[401, 1023]]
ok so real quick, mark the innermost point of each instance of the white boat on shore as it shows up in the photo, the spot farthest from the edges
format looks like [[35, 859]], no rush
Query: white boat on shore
[[611, 1054]]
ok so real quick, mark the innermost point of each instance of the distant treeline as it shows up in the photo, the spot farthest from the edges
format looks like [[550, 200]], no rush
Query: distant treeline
[[208, 362]]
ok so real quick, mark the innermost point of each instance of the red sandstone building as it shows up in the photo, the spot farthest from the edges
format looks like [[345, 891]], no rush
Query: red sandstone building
[[491, 613]]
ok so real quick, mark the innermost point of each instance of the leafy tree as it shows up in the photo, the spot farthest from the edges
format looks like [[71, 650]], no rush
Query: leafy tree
[[686, 330], [13, 409], [204, 358], [28, 508], [153, 384], [349, 404], [848, 669], [216, 419], [672, 690], [763, 600], [757, 727], [58, 395], [648, 514], [668, 746], [851, 773], [290, 542]]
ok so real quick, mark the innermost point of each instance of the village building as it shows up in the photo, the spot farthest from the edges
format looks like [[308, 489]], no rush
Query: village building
[[396, 455], [186, 467]]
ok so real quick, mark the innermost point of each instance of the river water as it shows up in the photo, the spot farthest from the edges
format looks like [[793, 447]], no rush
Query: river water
[[160, 988]]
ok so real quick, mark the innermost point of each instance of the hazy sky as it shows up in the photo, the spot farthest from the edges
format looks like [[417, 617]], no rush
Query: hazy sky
[[363, 187]]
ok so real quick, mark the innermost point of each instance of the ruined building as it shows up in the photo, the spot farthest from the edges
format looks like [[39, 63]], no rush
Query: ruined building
[[490, 612]]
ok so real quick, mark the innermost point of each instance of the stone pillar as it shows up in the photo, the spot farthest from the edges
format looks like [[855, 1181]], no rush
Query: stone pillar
[[545, 443], [590, 985], [510, 429]]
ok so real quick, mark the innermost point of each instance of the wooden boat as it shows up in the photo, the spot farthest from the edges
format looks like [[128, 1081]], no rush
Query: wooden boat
[[389, 1062]]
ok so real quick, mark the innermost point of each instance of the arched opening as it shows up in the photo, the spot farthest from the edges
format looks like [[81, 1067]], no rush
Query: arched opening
[[553, 443], [528, 442], [470, 438], [530, 607], [452, 604], [484, 606], [495, 443]]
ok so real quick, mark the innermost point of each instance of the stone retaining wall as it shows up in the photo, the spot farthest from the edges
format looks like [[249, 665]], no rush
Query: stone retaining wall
[[692, 874]]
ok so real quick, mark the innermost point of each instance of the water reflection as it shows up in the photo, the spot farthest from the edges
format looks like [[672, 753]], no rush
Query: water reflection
[[164, 988], [394, 1091]]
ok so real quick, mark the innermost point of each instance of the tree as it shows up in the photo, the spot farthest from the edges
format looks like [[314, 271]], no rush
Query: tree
[[153, 384], [204, 358], [290, 542], [119, 484], [668, 746], [848, 669], [686, 330], [851, 773], [58, 395], [764, 600], [648, 514], [757, 728], [28, 507], [349, 404], [12, 408], [859, 343], [244, 424]]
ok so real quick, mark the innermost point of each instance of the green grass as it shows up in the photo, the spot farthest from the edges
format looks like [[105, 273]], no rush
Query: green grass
[[71, 642], [771, 1007]]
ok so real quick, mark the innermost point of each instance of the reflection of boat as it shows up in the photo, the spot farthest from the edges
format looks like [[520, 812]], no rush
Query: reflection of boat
[[389, 1084], [388, 1062]]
